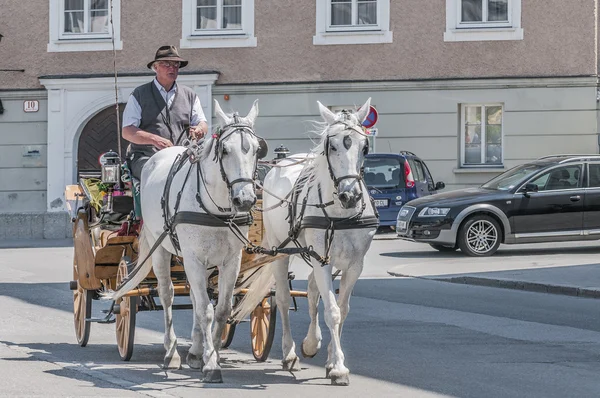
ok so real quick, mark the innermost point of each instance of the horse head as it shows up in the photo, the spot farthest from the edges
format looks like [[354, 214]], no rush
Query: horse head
[[237, 150], [345, 146]]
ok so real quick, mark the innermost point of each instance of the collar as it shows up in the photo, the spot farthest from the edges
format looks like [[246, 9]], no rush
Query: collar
[[162, 89]]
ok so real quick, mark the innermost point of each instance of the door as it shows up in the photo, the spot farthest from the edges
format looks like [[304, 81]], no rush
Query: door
[[556, 209], [421, 183], [591, 203]]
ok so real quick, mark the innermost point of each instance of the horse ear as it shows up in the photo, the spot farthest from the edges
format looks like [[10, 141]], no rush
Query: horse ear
[[220, 115], [327, 115], [253, 113], [364, 110]]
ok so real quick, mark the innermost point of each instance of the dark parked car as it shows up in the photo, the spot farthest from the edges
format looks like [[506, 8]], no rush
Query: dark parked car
[[555, 198], [394, 179]]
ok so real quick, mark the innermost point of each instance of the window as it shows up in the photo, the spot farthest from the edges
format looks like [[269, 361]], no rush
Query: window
[[566, 177], [481, 135], [352, 22], [481, 20], [84, 25], [218, 23], [594, 175]]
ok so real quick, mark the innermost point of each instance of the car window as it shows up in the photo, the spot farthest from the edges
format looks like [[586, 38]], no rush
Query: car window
[[565, 177], [594, 177], [383, 172], [426, 176], [513, 177], [417, 170]]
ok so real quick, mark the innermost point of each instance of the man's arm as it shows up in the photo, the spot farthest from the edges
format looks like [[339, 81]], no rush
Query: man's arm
[[137, 136], [198, 128]]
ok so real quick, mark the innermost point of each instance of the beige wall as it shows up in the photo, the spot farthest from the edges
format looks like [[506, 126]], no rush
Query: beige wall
[[559, 40], [23, 153]]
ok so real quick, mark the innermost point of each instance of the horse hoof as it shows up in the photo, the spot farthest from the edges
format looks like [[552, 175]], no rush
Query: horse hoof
[[172, 362], [291, 365], [213, 376], [194, 361], [340, 380], [327, 371], [305, 354]]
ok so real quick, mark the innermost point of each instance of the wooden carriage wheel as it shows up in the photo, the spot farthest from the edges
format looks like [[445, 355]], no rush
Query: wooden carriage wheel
[[227, 335], [82, 309], [125, 310], [262, 328]]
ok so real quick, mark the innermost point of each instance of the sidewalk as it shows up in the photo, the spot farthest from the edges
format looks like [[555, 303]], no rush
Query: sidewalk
[[573, 274]]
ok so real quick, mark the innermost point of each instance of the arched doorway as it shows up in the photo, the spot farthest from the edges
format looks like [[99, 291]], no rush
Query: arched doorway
[[98, 136]]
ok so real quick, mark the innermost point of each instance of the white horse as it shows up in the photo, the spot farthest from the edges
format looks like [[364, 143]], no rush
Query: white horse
[[338, 221], [222, 180]]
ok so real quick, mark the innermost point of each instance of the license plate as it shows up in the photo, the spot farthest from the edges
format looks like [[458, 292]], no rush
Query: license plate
[[401, 225], [381, 202]]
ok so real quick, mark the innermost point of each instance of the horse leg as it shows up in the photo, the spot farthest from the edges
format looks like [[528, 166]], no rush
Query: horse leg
[[282, 296], [312, 342], [194, 356], [203, 314], [228, 274], [335, 368], [161, 263]]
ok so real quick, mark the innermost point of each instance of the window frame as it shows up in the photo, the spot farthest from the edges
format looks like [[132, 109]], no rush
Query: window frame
[[456, 30], [216, 38], [61, 42], [85, 35], [326, 34], [482, 138]]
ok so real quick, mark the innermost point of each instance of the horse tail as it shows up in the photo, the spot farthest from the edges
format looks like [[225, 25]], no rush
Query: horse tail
[[137, 275], [258, 288]]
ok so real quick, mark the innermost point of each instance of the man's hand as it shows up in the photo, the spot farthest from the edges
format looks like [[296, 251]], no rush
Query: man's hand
[[197, 132], [160, 142]]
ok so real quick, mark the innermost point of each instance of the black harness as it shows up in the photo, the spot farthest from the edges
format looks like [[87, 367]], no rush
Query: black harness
[[205, 218]]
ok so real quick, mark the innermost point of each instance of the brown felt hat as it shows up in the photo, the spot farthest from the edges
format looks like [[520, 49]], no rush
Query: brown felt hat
[[168, 53]]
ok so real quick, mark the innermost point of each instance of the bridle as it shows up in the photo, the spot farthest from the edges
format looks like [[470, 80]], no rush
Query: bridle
[[221, 136], [345, 120]]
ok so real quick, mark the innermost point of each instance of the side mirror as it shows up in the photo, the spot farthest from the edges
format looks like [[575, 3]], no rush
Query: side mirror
[[529, 187], [439, 185]]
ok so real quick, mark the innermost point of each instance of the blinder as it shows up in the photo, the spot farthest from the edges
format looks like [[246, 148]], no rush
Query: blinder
[[263, 148]]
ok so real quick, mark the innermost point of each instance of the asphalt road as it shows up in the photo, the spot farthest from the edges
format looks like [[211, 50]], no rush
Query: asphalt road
[[405, 337]]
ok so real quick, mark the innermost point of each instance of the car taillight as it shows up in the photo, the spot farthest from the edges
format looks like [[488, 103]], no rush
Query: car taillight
[[408, 176]]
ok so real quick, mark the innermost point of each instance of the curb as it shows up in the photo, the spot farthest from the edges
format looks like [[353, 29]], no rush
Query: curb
[[515, 285]]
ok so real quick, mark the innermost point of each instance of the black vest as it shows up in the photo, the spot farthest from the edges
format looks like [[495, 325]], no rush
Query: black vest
[[155, 114]]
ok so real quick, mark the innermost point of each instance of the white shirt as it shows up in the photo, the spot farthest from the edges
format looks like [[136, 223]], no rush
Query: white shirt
[[132, 115]]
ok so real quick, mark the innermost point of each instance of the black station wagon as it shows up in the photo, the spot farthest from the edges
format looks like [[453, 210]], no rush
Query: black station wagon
[[552, 199]]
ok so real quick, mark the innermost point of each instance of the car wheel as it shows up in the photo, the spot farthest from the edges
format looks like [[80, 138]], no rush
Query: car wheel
[[479, 236], [443, 248]]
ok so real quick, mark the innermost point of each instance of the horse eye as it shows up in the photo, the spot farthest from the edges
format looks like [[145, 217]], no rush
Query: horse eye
[[331, 147]]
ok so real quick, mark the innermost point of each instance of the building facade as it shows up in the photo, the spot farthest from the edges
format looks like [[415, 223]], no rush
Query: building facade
[[474, 87]]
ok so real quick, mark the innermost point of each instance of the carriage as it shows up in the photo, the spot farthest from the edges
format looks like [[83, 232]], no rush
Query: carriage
[[105, 233], [120, 258]]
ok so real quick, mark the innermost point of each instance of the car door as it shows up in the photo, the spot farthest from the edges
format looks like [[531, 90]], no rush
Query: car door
[[421, 183], [430, 182], [591, 203], [556, 209]]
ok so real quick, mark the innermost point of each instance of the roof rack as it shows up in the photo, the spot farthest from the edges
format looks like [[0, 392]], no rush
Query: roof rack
[[580, 157], [568, 155]]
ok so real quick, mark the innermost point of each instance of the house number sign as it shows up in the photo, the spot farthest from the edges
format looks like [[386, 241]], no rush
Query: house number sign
[[31, 106]]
